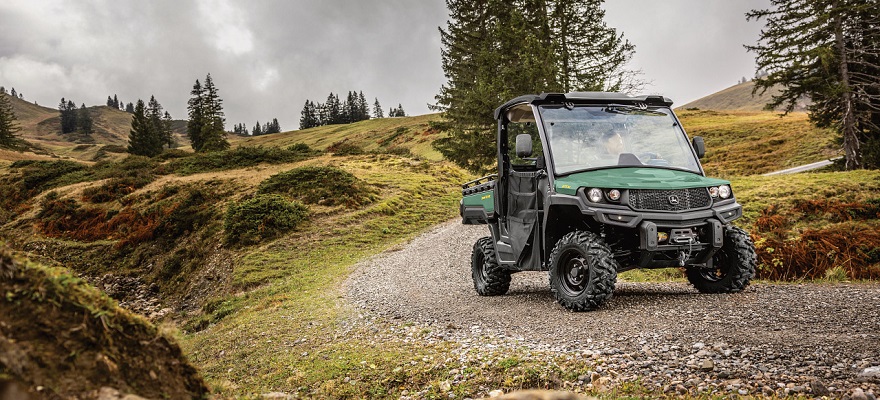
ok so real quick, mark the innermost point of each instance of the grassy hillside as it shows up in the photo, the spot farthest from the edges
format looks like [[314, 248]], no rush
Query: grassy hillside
[[68, 338], [41, 127], [737, 97], [408, 134], [248, 248], [747, 143]]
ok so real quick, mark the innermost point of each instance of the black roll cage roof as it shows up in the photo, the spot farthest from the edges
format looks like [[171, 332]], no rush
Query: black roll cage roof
[[582, 98]]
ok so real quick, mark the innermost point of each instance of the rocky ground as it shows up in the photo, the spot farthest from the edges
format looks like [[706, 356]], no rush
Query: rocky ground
[[772, 339]]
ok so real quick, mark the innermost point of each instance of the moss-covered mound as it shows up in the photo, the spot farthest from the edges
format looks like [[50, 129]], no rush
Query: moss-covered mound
[[70, 339], [326, 186]]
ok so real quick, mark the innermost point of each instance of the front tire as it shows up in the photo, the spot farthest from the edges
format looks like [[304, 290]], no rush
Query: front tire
[[490, 279], [733, 265], [582, 271]]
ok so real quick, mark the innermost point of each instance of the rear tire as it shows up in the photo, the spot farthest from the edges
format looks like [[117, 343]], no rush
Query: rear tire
[[733, 265], [582, 271], [490, 279]]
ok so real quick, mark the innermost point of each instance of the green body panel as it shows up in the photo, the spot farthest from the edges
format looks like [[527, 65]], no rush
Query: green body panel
[[484, 199], [634, 178]]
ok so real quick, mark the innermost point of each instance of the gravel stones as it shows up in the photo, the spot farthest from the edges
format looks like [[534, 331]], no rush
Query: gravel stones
[[768, 340]]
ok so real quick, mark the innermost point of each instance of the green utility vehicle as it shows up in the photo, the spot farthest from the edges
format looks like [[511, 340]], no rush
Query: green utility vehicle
[[592, 184]]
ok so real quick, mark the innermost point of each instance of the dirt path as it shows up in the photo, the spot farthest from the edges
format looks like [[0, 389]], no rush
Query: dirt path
[[779, 338]]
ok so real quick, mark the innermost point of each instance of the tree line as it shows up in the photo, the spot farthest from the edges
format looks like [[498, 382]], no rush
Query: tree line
[[74, 119], [495, 50], [829, 52], [335, 111], [119, 105], [151, 127], [265, 129]]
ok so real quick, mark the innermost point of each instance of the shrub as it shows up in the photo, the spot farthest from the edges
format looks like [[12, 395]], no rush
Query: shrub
[[239, 158], [41, 175], [170, 154], [345, 149], [116, 188], [326, 186], [264, 216]]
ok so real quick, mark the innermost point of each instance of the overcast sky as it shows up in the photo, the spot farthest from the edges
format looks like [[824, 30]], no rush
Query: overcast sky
[[268, 57]]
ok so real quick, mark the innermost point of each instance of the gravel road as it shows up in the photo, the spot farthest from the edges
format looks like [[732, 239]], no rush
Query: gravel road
[[811, 339]]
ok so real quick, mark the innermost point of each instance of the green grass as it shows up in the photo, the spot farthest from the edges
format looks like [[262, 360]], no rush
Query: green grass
[[748, 143], [375, 135]]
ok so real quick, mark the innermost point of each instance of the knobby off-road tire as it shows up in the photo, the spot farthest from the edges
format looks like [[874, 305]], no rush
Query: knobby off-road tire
[[490, 279], [582, 271], [733, 265]]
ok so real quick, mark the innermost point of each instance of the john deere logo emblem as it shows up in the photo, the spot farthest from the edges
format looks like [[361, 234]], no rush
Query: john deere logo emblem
[[673, 200]]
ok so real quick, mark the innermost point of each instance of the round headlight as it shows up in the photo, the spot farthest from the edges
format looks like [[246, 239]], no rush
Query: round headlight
[[594, 195], [724, 191], [713, 191], [614, 194]]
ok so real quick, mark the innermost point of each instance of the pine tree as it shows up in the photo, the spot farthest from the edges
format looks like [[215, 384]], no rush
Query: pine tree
[[213, 129], [196, 108], [68, 116], [829, 52], [258, 129], [377, 109], [110, 101], [334, 110], [363, 107], [309, 116], [494, 50], [8, 124], [167, 130], [129, 108], [272, 127], [115, 102], [84, 121], [14, 93], [143, 139]]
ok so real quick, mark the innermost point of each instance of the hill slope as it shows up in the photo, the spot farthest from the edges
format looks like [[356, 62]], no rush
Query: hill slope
[[413, 134], [41, 127], [737, 97], [749, 143], [68, 339]]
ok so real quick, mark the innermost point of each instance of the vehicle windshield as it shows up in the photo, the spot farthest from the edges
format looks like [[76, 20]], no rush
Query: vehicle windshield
[[592, 137]]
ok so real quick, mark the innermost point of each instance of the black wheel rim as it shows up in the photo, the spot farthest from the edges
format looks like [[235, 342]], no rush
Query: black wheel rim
[[719, 268], [482, 274], [574, 272]]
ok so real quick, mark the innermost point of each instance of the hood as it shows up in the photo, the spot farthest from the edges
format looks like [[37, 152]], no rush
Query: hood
[[634, 178]]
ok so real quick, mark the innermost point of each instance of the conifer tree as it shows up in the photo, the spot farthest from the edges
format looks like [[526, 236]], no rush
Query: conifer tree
[[333, 109], [84, 121], [143, 139], [829, 52], [115, 102], [258, 129], [8, 124], [110, 101], [196, 108], [206, 126], [167, 130], [14, 93], [363, 107], [68, 116], [494, 50], [309, 116], [377, 109], [129, 108]]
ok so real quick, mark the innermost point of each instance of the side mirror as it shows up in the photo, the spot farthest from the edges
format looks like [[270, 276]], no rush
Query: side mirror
[[523, 145], [699, 146]]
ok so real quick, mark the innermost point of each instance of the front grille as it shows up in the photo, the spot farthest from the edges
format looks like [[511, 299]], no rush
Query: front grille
[[664, 200]]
